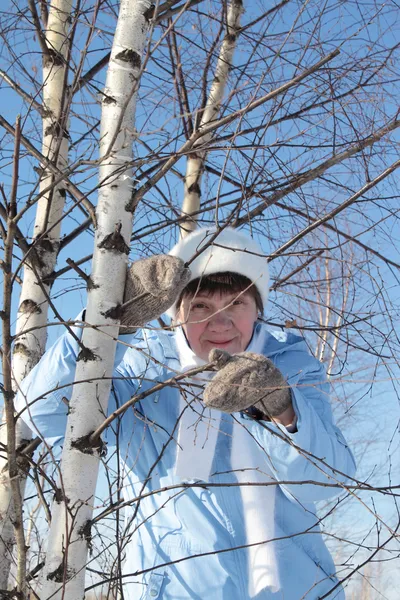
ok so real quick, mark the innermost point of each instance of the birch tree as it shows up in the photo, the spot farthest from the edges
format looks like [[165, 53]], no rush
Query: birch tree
[[64, 576], [40, 260], [289, 131], [196, 158]]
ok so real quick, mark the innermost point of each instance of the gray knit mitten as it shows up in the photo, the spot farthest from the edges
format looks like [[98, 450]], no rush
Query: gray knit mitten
[[152, 286], [246, 379]]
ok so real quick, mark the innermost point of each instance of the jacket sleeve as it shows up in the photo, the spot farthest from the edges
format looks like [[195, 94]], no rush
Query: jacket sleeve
[[317, 452], [43, 396]]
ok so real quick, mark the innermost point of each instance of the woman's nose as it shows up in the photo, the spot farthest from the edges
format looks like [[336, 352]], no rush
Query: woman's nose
[[220, 320]]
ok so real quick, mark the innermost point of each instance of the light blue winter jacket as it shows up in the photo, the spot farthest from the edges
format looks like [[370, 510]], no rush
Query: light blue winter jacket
[[187, 543]]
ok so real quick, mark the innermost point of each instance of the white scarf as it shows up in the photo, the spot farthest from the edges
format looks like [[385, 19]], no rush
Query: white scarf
[[197, 439]]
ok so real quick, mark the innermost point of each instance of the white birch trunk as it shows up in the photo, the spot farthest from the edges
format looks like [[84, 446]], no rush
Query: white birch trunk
[[69, 538], [33, 306], [196, 159]]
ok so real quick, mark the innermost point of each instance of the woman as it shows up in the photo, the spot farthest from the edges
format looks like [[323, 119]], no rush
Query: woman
[[221, 468]]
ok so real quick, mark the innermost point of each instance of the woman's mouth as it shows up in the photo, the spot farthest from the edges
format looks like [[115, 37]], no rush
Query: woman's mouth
[[220, 342]]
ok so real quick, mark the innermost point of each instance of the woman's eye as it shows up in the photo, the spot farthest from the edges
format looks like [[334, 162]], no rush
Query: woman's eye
[[237, 302], [199, 306]]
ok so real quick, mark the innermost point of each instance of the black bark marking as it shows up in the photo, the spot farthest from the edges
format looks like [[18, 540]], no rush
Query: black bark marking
[[59, 496], [47, 113], [194, 189], [113, 313], [231, 37], [29, 306], [109, 100], [131, 205], [86, 533], [53, 58], [114, 241], [130, 56], [23, 444], [43, 246], [56, 130], [84, 445], [61, 573], [149, 13], [86, 354], [21, 349], [90, 284]]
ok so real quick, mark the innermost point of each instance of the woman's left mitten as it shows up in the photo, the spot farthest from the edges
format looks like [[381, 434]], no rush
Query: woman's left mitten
[[246, 379]]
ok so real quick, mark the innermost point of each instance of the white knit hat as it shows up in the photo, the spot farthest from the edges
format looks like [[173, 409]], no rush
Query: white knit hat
[[231, 251]]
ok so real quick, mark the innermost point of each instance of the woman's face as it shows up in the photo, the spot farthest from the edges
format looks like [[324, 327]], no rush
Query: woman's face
[[218, 320]]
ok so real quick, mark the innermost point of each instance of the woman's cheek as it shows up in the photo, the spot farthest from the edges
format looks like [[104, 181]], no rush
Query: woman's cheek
[[193, 332]]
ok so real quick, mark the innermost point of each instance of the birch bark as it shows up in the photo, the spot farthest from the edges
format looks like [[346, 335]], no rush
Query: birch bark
[[33, 305], [195, 162], [69, 537]]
